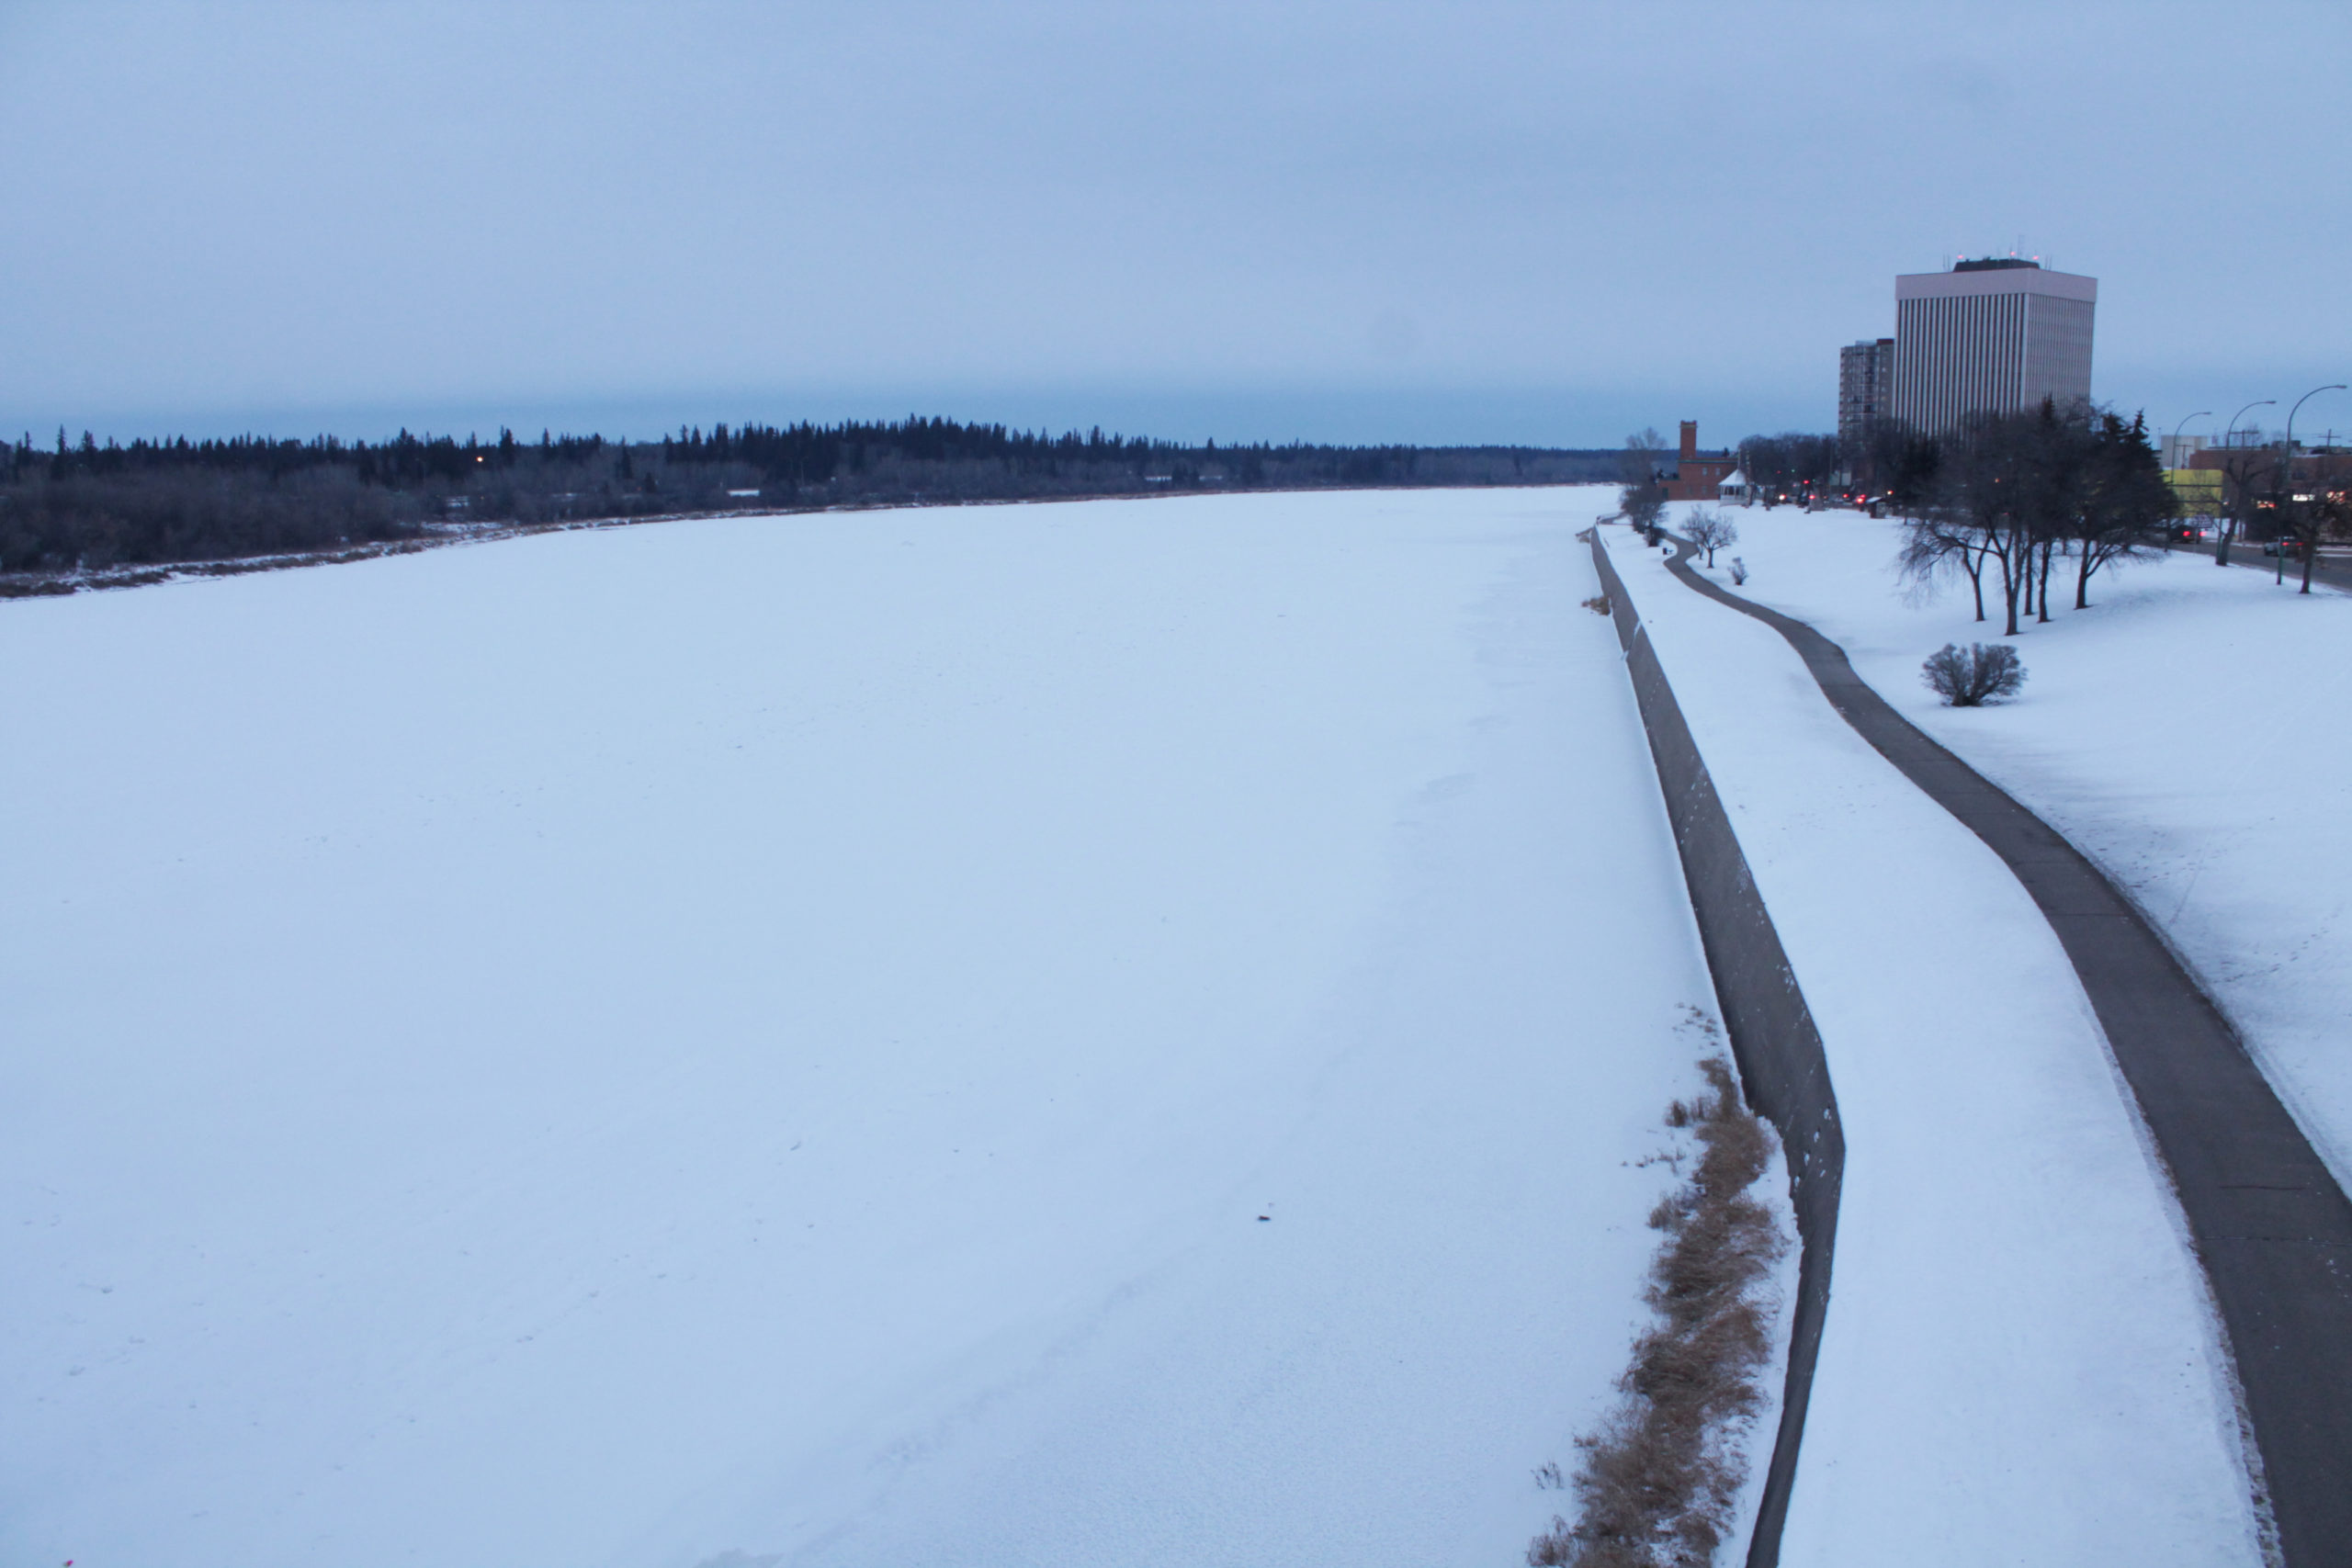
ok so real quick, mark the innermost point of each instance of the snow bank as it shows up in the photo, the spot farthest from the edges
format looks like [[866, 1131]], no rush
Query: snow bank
[[775, 1035], [2186, 732], [2020, 1364]]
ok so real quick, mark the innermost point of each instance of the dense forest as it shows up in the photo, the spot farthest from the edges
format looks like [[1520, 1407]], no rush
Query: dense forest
[[90, 506]]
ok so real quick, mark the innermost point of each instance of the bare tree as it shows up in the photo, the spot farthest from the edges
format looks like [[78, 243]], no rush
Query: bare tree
[[1937, 543], [2022, 490], [1792, 460], [1643, 505], [2310, 511], [1639, 464], [1644, 499], [2249, 488], [1901, 462], [1710, 531], [1989, 493]]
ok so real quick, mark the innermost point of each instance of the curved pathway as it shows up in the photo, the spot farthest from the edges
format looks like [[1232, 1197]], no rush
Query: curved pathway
[[2272, 1228]]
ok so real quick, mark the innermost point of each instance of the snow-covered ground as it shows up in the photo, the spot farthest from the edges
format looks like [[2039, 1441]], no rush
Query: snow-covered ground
[[2187, 732], [774, 1036], [2020, 1364]]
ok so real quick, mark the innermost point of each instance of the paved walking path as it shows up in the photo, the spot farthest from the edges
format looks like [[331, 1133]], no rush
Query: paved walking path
[[2272, 1228]]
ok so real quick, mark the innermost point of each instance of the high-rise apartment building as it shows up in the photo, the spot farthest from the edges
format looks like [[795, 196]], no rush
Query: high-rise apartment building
[[1865, 388], [1990, 336]]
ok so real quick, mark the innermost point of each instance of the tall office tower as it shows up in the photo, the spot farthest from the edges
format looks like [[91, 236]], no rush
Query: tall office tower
[[1989, 337], [1865, 388]]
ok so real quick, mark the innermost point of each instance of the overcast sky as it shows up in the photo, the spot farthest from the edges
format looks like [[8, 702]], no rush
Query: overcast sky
[[1335, 220]]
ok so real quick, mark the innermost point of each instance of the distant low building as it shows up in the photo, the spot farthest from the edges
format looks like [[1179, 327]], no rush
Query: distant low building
[[2212, 472], [2179, 449], [1698, 476], [1735, 491]]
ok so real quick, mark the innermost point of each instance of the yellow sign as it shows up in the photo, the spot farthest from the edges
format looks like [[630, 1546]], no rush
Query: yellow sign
[[2200, 489]]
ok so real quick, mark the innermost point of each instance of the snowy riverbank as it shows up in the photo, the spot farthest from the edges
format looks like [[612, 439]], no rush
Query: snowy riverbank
[[2019, 1363], [2186, 732]]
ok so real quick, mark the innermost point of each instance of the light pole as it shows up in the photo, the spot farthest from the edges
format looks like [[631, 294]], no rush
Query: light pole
[[2230, 523], [2287, 480], [2307, 396], [2175, 442]]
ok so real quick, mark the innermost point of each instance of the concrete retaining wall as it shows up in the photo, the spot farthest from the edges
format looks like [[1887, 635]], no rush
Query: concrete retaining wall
[[1783, 1067]]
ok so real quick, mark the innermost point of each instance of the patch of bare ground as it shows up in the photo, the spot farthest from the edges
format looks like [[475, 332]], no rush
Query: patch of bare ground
[[32, 585], [1656, 1486]]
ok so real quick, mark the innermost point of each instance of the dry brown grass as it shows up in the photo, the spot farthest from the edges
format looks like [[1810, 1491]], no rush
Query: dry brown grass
[[1654, 1486]]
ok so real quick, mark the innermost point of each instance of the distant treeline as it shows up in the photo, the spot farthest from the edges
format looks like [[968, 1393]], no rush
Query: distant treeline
[[92, 505]]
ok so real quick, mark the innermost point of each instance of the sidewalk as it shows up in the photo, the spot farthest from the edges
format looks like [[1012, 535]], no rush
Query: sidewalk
[[2020, 1363]]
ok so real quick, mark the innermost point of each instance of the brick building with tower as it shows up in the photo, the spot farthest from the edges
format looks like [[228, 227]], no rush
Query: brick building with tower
[[1698, 476]]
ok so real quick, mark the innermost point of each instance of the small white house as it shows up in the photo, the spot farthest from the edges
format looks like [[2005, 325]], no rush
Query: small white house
[[1735, 491]]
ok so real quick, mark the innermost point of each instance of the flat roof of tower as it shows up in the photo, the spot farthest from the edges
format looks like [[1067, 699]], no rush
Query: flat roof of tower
[[2027, 279]]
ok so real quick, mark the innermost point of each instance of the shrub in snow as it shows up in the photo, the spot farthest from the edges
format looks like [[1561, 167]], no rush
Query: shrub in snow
[[1969, 677], [1598, 603], [1738, 571]]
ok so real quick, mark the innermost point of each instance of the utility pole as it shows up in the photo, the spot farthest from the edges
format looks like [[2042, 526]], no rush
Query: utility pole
[[2230, 523], [2287, 482]]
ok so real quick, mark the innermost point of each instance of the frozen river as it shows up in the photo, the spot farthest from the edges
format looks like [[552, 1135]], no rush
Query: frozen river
[[1113, 1032]]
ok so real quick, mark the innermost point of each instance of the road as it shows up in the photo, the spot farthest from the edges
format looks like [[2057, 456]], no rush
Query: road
[[2270, 1224], [2333, 569]]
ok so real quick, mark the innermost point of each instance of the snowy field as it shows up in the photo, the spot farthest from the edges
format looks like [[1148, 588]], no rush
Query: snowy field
[[2187, 732], [1098, 1033], [2020, 1363]]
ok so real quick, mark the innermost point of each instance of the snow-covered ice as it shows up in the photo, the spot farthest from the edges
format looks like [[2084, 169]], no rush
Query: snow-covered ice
[[2020, 1363], [773, 1036], [2187, 732]]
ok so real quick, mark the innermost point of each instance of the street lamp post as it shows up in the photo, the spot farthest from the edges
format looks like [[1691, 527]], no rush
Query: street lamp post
[[2230, 523], [2287, 480], [2201, 413], [2174, 442]]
